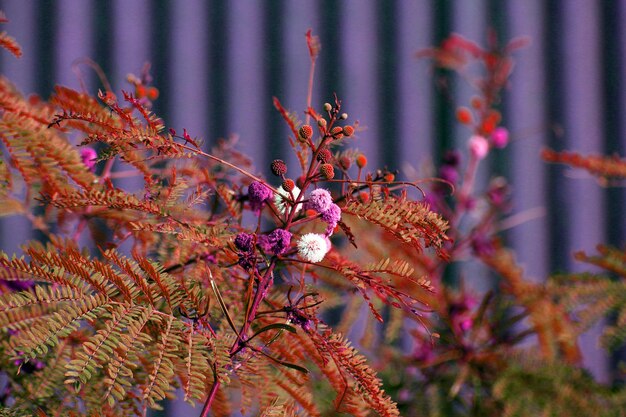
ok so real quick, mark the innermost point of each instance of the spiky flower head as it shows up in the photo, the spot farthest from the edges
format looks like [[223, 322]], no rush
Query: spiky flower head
[[288, 184], [281, 200], [345, 162], [337, 132], [332, 217], [258, 193], [244, 242], [278, 167], [324, 155], [276, 242], [320, 200], [306, 132], [312, 247], [327, 171]]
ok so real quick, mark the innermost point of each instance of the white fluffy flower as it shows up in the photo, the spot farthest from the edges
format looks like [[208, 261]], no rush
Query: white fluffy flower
[[313, 247], [281, 200]]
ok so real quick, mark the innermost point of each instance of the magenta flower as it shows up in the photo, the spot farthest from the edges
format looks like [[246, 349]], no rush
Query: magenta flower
[[276, 242], [89, 156], [332, 217], [258, 193], [244, 242], [500, 137], [320, 200]]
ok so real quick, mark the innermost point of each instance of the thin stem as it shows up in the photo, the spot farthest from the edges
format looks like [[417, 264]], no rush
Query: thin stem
[[228, 164], [211, 397]]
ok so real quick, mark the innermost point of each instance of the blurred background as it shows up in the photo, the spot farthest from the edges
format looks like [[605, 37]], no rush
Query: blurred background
[[218, 64]]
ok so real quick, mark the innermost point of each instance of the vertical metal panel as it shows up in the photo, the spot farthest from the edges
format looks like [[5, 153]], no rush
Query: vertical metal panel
[[526, 119], [189, 68], [245, 67], [131, 39], [469, 20], [413, 107], [359, 49], [619, 136], [583, 105], [301, 15], [72, 40], [22, 72]]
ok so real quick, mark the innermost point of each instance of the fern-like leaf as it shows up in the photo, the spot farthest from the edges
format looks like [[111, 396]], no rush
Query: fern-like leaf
[[597, 165], [409, 221]]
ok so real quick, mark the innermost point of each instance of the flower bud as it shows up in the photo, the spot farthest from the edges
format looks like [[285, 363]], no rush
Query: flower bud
[[500, 137], [306, 132], [278, 167], [361, 161], [327, 171], [479, 147], [324, 155], [288, 184], [337, 132]]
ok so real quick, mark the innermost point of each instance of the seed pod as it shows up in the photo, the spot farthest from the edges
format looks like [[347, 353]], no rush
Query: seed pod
[[348, 131], [306, 132], [337, 132], [345, 162], [361, 161], [288, 184], [327, 171], [278, 167], [464, 115], [324, 155]]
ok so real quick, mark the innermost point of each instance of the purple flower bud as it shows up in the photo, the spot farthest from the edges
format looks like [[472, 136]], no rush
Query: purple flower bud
[[500, 137], [276, 242], [257, 194], [332, 217], [244, 242]]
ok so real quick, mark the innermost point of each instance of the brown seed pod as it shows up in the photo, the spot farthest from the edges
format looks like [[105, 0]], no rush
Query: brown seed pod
[[288, 184], [324, 155], [306, 132], [327, 171], [278, 167]]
